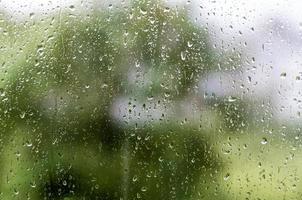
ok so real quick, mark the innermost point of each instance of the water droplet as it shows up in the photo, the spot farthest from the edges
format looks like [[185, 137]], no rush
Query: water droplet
[[232, 99], [264, 141], [167, 94], [16, 192], [29, 144], [283, 75], [183, 55], [143, 189], [18, 154], [33, 184], [104, 86], [226, 177], [167, 9], [71, 7], [143, 11], [31, 15], [22, 115]]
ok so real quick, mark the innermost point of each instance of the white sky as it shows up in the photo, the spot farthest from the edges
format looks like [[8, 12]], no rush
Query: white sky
[[272, 30]]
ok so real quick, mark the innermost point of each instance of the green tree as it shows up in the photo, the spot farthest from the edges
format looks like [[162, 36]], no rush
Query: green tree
[[58, 137]]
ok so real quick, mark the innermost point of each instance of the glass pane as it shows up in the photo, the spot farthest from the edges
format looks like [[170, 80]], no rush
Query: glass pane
[[150, 99]]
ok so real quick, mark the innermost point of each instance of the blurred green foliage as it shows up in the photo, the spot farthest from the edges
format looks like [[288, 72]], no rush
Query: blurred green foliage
[[60, 78], [59, 138]]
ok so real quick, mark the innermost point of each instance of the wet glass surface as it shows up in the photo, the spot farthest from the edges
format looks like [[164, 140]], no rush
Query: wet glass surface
[[150, 99]]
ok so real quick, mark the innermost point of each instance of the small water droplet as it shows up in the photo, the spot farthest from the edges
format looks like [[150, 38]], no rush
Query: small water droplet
[[16, 192], [167, 94], [72, 7], [232, 99], [283, 75], [264, 141], [33, 184], [104, 86], [101, 58], [29, 144], [143, 11], [226, 177], [22, 115], [18, 154], [183, 55], [31, 15]]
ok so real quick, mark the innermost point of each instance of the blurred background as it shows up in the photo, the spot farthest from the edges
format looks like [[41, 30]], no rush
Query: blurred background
[[150, 99]]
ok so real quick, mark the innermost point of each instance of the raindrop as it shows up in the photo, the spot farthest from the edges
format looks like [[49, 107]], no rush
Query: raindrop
[[143, 11], [33, 184], [29, 144], [18, 154], [134, 179], [104, 86], [16, 192], [31, 15], [22, 115], [183, 55], [72, 7], [283, 75], [232, 99], [143, 189], [264, 141], [226, 177]]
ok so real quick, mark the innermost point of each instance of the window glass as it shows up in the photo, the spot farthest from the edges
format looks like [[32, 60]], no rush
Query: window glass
[[150, 99]]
